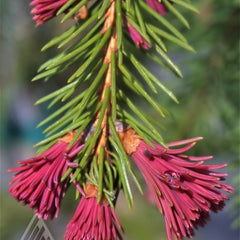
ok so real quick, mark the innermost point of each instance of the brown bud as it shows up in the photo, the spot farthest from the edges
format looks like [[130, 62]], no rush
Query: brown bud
[[90, 190], [130, 140], [68, 137], [82, 13]]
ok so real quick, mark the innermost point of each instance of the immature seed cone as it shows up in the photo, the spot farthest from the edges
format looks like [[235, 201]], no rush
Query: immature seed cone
[[184, 188], [44, 10], [159, 7], [37, 181], [93, 220], [138, 40]]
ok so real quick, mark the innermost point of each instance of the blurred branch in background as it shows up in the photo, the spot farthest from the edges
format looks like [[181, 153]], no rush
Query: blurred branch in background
[[208, 94]]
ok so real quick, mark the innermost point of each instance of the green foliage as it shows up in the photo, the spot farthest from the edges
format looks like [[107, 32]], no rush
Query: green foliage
[[83, 47]]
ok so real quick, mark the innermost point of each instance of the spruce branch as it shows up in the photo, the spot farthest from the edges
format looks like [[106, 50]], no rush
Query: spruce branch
[[101, 52], [90, 137]]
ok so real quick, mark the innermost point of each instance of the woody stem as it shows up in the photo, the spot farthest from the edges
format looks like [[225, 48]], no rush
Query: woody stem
[[110, 19]]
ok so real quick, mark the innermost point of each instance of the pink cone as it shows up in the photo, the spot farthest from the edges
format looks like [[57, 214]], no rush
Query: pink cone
[[45, 9], [37, 181], [93, 221], [137, 38], [184, 188], [157, 6]]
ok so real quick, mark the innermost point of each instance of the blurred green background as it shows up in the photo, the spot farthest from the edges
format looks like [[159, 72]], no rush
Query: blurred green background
[[209, 106]]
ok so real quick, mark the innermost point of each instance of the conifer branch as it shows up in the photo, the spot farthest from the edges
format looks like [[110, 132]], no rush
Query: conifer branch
[[98, 125], [103, 49]]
